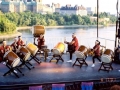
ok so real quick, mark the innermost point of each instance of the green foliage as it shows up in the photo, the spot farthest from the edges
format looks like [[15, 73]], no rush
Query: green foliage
[[28, 18], [112, 19], [6, 25], [103, 15]]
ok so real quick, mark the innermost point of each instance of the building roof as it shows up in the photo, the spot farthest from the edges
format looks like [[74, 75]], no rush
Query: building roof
[[76, 7]]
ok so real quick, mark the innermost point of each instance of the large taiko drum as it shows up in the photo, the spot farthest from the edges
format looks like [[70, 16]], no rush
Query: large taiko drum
[[11, 58], [108, 52], [107, 56], [82, 52], [59, 48], [24, 53], [32, 48], [37, 30]]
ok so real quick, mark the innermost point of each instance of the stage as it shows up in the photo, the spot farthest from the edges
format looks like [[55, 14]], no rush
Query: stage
[[47, 72]]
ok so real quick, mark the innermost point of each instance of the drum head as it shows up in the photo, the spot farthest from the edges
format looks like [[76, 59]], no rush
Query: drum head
[[25, 52], [56, 51], [60, 46], [106, 58], [32, 48], [15, 62], [83, 49], [79, 54], [27, 56]]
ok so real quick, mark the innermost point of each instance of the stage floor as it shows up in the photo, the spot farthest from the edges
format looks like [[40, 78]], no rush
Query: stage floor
[[47, 72]]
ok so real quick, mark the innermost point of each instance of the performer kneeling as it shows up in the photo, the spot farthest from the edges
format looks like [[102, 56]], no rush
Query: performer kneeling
[[14, 46], [72, 46], [96, 50], [3, 49], [41, 41], [20, 42]]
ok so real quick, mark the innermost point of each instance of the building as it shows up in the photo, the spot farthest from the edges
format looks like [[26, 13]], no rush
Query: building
[[56, 5], [46, 8], [91, 10], [25, 5], [77, 10]]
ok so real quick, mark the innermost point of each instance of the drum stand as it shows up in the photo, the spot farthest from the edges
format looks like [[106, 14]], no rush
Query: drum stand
[[106, 66], [12, 70], [35, 58], [81, 61], [25, 63], [57, 57]]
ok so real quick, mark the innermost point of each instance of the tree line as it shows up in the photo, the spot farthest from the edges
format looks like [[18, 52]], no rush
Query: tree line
[[27, 18], [6, 26]]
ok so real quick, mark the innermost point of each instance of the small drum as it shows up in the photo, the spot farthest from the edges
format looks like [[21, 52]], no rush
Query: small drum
[[37, 30], [59, 48], [24, 53], [11, 58], [32, 48], [107, 56], [83, 49]]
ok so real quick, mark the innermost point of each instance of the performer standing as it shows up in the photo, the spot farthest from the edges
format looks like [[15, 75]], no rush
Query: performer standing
[[96, 50], [72, 46]]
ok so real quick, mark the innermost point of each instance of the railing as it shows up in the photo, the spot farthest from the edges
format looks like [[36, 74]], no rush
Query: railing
[[88, 42]]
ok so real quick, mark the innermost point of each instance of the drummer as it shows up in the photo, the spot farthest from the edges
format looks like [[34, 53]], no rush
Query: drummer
[[20, 42], [41, 41], [72, 46], [14, 45], [4, 48], [96, 50]]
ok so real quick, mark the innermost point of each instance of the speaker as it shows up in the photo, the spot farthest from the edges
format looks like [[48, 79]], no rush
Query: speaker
[[119, 22], [117, 56], [118, 33]]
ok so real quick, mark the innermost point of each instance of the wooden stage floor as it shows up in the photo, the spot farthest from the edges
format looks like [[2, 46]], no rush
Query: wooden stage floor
[[47, 72]]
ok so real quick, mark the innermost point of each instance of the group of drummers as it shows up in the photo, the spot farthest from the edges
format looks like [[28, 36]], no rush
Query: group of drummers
[[72, 47], [14, 46]]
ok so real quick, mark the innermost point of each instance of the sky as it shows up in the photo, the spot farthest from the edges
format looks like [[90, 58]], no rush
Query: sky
[[104, 5]]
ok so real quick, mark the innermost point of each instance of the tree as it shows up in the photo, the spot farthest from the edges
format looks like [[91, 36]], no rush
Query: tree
[[86, 20], [51, 22], [60, 20], [28, 18], [5, 25]]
